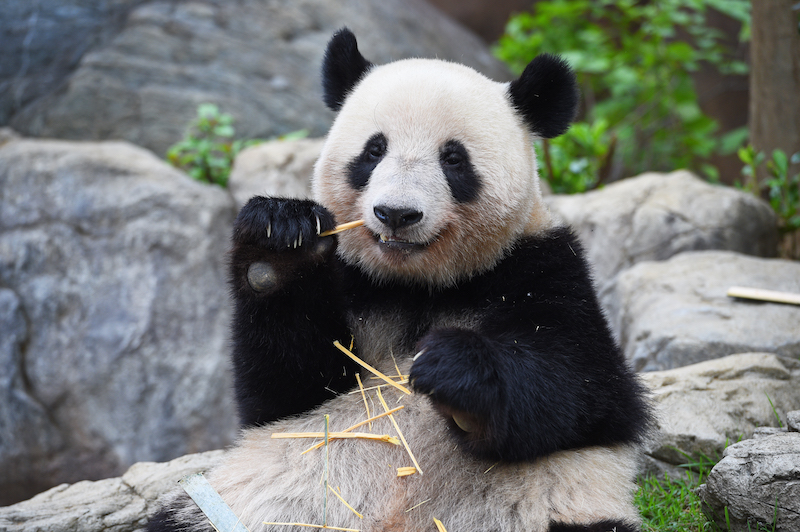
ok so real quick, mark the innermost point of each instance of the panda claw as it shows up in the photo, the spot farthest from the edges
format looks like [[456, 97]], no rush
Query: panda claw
[[269, 229], [319, 226]]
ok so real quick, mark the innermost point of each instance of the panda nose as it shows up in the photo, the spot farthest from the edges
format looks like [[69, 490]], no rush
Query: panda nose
[[396, 218]]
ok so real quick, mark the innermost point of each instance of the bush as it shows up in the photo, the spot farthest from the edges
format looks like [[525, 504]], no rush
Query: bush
[[207, 151], [633, 62]]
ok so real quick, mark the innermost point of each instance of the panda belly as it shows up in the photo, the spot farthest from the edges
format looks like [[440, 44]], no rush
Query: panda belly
[[270, 480]]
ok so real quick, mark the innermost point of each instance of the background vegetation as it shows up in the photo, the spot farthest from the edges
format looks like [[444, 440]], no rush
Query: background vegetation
[[640, 111]]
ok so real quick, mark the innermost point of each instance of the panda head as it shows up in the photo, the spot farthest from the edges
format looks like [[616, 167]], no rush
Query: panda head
[[437, 159]]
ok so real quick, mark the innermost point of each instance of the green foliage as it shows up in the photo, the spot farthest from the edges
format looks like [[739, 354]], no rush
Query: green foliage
[[633, 62], [781, 188], [207, 151], [671, 505]]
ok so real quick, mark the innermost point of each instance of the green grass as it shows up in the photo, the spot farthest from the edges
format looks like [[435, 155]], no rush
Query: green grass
[[671, 505]]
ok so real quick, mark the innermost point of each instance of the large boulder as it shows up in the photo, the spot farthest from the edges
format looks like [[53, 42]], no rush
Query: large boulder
[[259, 61], [42, 42], [277, 168], [675, 313], [702, 408], [120, 504], [113, 310], [756, 486], [656, 216]]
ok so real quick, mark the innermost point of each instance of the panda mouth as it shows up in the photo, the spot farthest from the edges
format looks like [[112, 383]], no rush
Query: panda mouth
[[394, 243]]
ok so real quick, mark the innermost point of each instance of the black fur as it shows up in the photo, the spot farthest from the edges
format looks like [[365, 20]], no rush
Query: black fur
[[602, 526], [283, 359], [546, 95], [457, 167], [342, 67], [360, 169], [539, 373]]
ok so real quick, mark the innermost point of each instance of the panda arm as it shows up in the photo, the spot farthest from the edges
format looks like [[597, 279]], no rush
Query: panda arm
[[541, 372], [287, 310]]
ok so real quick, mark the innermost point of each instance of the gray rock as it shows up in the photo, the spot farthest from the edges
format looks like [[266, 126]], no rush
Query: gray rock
[[656, 216], [120, 504], [756, 481], [41, 43], [277, 168], [675, 313], [793, 420], [258, 61], [704, 407], [114, 311]]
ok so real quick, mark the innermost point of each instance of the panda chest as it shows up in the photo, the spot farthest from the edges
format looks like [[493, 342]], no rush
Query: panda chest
[[386, 334]]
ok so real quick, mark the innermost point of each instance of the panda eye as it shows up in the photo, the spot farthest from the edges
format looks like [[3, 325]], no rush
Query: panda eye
[[452, 159], [376, 149]]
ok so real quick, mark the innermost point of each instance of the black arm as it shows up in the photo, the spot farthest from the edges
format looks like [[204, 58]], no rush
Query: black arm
[[541, 372], [287, 310]]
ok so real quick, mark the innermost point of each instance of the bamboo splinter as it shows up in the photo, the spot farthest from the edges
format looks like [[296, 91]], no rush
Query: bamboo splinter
[[343, 227], [366, 366]]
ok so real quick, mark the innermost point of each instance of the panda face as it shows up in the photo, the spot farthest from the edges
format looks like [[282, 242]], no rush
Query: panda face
[[437, 161]]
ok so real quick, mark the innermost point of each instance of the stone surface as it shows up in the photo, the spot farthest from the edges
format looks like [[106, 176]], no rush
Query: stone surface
[[114, 311], [258, 61], [656, 216], [675, 313], [756, 480], [277, 168], [793, 421], [704, 407], [42, 42], [120, 504]]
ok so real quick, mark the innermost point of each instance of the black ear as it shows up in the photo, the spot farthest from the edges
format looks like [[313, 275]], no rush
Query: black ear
[[342, 67], [546, 95]]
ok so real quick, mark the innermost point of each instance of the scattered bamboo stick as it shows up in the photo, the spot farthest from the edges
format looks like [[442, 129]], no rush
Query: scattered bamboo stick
[[417, 505], [363, 395], [323, 527], [406, 471], [357, 425], [772, 296], [399, 432], [343, 227], [439, 526], [366, 366], [368, 388], [345, 502], [336, 436]]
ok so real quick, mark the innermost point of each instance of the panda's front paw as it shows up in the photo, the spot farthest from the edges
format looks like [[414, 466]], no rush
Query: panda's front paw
[[275, 238], [456, 368]]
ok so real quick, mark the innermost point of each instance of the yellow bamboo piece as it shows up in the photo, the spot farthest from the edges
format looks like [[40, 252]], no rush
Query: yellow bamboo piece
[[406, 471], [363, 395], [368, 388], [343, 227], [399, 432], [366, 366], [336, 436], [345, 502], [439, 526], [417, 505], [357, 425], [323, 527]]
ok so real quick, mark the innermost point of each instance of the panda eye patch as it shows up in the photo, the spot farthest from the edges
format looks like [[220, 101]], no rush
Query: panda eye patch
[[360, 169], [464, 182]]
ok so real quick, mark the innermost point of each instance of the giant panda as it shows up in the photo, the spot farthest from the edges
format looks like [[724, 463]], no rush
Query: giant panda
[[524, 415]]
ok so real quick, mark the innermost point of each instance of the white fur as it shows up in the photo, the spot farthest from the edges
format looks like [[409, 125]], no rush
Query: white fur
[[266, 479], [419, 104]]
